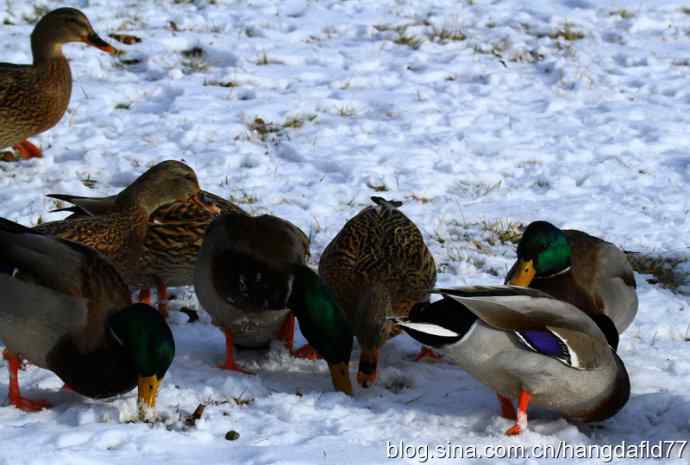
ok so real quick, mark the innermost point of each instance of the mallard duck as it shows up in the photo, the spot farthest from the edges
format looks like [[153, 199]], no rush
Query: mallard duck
[[121, 234], [528, 346], [585, 271], [66, 309], [250, 270], [378, 266], [34, 97], [173, 237]]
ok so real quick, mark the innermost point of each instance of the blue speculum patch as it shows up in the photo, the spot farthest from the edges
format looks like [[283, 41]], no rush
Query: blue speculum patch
[[546, 343]]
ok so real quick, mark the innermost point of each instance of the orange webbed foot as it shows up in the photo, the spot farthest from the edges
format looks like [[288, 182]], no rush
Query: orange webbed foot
[[28, 150], [307, 352], [427, 353], [27, 405]]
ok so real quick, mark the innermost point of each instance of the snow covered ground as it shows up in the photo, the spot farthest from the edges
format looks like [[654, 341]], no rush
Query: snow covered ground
[[478, 114]]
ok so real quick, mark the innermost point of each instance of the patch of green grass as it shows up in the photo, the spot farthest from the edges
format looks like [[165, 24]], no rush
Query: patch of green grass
[[243, 198], [623, 13], [447, 34], [88, 181], [503, 231], [685, 10], [567, 32], [229, 84], [194, 60], [663, 269], [408, 40], [263, 60], [346, 112], [264, 129]]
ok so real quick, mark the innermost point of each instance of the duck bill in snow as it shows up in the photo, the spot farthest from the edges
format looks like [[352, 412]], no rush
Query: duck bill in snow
[[522, 273], [340, 375], [95, 40], [147, 394]]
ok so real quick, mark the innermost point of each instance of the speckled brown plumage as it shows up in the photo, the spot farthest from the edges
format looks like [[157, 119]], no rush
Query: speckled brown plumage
[[378, 265], [121, 234], [33, 98], [172, 241]]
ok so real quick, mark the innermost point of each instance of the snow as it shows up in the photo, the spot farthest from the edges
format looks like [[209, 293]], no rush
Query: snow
[[509, 125]]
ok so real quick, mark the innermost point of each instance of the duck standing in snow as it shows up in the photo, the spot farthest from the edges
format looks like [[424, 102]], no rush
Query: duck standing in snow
[[530, 347], [250, 271], [66, 309], [174, 232], [34, 97], [587, 272], [378, 266]]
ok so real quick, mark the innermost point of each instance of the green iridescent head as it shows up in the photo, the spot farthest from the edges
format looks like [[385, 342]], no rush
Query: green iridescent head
[[543, 251]]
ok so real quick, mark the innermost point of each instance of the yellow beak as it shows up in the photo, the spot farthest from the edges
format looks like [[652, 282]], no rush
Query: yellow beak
[[340, 375], [147, 393], [524, 273]]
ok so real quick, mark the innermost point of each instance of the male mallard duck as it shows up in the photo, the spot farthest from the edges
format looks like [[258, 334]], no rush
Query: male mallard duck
[[249, 271], [67, 309], [122, 234], [34, 97], [529, 346], [585, 271], [378, 266], [173, 238]]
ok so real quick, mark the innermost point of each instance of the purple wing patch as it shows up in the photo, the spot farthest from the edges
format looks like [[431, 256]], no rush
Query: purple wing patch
[[546, 343]]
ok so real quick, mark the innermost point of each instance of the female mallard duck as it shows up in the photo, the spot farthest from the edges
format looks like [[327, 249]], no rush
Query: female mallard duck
[[173, 237], [34, 97], [378, 266], [249, 271], [121, 234], [67, 309], [589, 273], [527, 345]]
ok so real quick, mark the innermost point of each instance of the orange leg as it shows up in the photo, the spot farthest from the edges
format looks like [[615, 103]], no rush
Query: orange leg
[[521, 422], [307, 352], [287, 332], [28, 150], [15, 396], [507, 409], [287, 335], [162, 299], [145, 296], [427, 352], [229, 363], [368, 367]]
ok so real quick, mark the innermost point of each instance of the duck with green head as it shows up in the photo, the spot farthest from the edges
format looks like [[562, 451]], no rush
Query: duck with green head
[[68, 310], [585, 271], [251, 273]]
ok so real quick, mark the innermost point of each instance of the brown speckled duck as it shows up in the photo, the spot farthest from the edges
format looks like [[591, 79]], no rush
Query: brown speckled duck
[[173, 238], [121, 234], [378, 266], [34, 97]]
